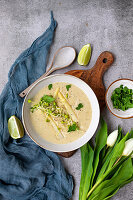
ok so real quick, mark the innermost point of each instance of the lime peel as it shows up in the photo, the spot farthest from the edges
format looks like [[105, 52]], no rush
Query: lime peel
[[84, 55], [15, 127]]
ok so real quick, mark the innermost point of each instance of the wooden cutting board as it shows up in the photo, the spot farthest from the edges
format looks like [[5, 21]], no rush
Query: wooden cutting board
[[94, 78]]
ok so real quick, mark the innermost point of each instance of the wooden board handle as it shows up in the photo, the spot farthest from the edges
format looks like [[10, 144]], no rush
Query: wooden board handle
[[93, 77], [103, 62]]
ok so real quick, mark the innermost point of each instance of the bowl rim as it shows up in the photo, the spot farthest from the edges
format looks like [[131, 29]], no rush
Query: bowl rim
[[127, 79], [43, 146]]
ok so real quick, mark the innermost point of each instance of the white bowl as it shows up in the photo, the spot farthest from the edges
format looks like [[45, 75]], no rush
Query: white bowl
[[61, 147], [118, 113]]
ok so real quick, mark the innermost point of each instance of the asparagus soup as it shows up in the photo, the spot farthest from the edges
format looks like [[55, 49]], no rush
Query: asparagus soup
[[60, 113]]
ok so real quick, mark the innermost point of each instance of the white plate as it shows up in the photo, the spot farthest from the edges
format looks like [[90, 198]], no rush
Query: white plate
[[61, 147], [118, 113]]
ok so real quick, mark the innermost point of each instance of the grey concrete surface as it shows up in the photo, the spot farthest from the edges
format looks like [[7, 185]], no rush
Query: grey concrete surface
[[106, 24]]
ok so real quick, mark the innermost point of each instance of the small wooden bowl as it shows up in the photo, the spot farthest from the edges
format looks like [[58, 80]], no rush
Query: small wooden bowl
[[118, 113]]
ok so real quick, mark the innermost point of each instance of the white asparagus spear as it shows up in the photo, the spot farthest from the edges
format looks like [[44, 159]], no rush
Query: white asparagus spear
[[56, 92], [59, 133], [67, 106]]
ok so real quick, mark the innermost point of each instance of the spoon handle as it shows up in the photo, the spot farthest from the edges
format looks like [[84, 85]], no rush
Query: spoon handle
[[49, 71], [24, 92]]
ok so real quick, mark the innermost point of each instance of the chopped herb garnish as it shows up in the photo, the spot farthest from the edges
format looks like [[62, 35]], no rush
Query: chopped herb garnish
[[122, 98], [68, 87], [29, 101], [35, 107], [47, 99], [66, 116], [58, 128], [73, 127], [67, 95], [50, 86], [47, 120], [79, 106]]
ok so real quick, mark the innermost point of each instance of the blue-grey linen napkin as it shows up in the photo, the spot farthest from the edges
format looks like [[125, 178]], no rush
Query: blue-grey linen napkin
[[28, 172]]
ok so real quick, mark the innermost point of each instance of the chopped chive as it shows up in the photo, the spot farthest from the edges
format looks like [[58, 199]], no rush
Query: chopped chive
[[47, 120], [67, 95], [29, 101]]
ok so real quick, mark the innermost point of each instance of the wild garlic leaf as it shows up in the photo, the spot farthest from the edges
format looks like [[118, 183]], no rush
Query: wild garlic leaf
[[104, 167], [130, 134], [87, 155], [119, 176], [127, 181], [68, 87], [48, 99], [50, 86], [120, 136], [101, 139], [117, 151], [112, 194], [108, 156], [80, 105]]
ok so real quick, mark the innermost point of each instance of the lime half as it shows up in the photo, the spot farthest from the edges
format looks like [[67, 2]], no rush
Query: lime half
[[84, 55], [15, 127]]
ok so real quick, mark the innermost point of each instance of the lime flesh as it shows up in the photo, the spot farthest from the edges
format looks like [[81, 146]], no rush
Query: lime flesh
[[15, 127], [84, 55]]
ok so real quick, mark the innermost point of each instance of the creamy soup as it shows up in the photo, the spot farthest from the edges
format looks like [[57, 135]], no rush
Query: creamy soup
[[63, 114]]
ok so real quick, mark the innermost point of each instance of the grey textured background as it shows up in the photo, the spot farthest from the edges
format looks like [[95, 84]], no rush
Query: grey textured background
[[106, 24]]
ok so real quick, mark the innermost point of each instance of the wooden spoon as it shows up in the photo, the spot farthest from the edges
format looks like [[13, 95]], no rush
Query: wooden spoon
[[62, 58]]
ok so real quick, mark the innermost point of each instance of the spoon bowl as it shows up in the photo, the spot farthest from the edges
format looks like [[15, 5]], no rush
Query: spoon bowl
[[62, 58]]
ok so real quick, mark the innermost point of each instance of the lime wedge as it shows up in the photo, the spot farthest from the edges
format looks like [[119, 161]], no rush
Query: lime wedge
[[84, 55], [15, 127]]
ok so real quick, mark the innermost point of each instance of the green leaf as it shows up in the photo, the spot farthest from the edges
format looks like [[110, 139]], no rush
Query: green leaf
[[128, 181], [121, 175], [120, 136], [111, 195], [79, 106], [108, 156], [50, 86], [118, 150], [73, 127], [47, 99], [130, 134], [87, 155], [68, 87], [101, 139], [96, 193]]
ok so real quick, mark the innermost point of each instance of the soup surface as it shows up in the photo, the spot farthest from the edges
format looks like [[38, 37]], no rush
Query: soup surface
[[62, 115]]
